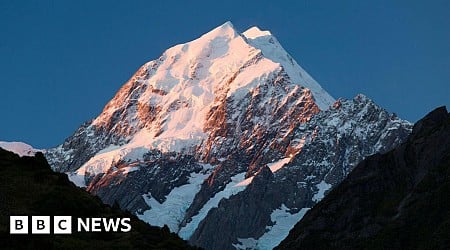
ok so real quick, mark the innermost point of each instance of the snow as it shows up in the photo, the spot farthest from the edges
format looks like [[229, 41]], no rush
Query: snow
[[245, 182], [275, 166], [171, 212], [273, 50], [283, 223], [77, 179], [254, 32], [20, 148], [108, 149], [102, 162], [230, 189], [246, 243], [104, 159], [322, 187]]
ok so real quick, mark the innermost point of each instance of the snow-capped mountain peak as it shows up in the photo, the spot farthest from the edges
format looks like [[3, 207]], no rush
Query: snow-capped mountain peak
[[216, 122], [180, 88], [225, 30]]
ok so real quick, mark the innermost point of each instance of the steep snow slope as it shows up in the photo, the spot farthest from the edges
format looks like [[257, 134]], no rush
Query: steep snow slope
[[273, 50]]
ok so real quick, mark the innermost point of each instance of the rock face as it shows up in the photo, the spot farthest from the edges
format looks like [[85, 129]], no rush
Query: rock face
[[228, 133], [334, 141], [396, 200]]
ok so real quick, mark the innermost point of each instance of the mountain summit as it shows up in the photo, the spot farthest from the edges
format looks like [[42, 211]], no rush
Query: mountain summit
[[224, 133], [170, 103]]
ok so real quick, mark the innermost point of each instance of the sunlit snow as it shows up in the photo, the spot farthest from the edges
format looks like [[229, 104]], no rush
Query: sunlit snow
[[20, 148], [273, 50], [275, 166]]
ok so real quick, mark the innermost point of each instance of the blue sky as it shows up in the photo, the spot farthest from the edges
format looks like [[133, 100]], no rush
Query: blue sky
[[61, 61]]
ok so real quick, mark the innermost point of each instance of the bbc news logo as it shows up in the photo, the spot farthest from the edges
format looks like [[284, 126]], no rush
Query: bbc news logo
[[63, 225]]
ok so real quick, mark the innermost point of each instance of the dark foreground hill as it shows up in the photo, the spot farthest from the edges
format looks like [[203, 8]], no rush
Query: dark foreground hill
[[397, 200], [29, 187]]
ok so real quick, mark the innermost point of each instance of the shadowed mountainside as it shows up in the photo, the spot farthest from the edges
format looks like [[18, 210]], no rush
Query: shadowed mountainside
[[397, 200]]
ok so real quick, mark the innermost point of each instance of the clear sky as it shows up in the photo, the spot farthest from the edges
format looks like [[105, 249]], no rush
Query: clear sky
[[61, 61]]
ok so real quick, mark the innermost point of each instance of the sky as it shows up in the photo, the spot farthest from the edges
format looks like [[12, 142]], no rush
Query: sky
[[62, 61]]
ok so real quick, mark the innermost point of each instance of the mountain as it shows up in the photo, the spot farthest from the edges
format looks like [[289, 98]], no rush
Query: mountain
[[20, 148], [179, 101], [50, 193], [226, 133], [396, 200]]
